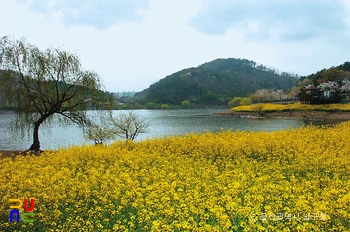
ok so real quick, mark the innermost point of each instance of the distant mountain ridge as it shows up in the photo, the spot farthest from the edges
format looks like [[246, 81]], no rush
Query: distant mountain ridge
[[216, 81]]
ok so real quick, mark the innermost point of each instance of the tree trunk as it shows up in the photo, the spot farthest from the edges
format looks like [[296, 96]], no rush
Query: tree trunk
[[36, 143]]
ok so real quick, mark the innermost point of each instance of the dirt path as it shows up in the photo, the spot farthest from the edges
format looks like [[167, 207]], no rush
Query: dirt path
[[12, 154], [6, 154]]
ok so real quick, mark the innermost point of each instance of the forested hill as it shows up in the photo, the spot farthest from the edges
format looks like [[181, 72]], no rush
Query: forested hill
[[337, 73], [216, 81]]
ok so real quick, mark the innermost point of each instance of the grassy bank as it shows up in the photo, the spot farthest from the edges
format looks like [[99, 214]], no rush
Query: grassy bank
[[229, 181], [269, 107]]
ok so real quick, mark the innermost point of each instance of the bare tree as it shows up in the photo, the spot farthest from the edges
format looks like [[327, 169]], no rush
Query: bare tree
[[99, 133], [258, 108], [129, 125], [46, 83]]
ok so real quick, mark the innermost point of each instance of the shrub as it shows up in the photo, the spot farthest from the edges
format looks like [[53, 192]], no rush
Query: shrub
[[164, 106], [258, 108], [246, 101], [186, 104], [235, 102]]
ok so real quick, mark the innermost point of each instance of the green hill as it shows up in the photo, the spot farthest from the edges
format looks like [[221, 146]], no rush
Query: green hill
[[337, 73], [216, 81]]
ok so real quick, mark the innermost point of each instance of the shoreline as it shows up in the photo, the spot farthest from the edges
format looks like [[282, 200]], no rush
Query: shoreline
[[14, 153], [11, 154], [305, 115]]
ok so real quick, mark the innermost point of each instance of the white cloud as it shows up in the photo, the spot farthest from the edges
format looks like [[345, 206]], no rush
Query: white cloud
[[131, 56], [100, 14], [289, 19]]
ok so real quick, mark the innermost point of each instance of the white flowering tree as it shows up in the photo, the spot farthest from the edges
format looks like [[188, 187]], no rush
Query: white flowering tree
[[330, 86], [345, 87], [266, 95], [280, 94]]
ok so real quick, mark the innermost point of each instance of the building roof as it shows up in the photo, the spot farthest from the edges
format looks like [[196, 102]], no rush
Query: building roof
[[312, 88]]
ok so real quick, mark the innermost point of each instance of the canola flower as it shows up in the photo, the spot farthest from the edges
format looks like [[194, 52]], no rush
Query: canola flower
[[270, 107], [293, 180]]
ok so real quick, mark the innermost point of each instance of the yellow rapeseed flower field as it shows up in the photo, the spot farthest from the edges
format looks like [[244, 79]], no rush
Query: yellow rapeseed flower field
[[293, 180], [270, 107]]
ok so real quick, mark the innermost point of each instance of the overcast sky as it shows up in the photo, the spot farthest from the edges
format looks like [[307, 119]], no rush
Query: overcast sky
[[134, 43]]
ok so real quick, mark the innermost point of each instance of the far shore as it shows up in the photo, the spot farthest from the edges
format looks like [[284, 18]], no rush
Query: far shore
[[305, 115]]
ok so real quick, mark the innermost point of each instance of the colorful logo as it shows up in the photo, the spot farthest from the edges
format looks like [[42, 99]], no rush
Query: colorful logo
[[25, 217]]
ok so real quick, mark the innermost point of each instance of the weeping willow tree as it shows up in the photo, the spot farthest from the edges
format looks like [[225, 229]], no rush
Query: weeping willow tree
[[46, 84]]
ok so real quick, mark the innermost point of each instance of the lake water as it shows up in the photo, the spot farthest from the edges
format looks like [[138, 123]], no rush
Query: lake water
[[163, 122]]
